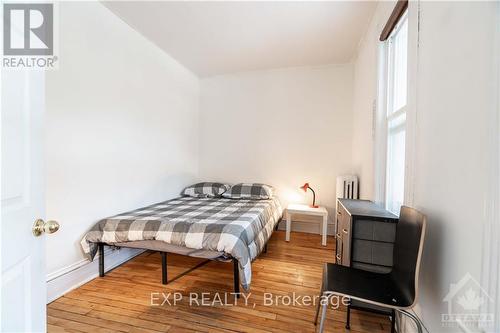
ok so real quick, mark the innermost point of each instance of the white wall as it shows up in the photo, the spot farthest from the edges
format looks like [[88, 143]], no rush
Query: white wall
[[456, 142], [282, 127], [122, 119], [456, 138]]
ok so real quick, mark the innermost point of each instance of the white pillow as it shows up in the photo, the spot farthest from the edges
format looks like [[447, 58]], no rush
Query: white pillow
[[254, 191], [206, 190]]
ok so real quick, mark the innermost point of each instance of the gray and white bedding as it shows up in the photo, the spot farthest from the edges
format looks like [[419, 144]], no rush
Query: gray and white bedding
[[239, 228]]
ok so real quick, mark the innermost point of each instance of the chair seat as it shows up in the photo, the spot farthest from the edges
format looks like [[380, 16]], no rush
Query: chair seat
[[361, 284]]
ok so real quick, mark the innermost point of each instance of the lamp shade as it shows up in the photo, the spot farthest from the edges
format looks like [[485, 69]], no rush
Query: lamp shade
[[305, 187]]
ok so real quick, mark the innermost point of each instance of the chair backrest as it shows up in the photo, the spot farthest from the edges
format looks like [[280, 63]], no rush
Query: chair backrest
[[410, 232]]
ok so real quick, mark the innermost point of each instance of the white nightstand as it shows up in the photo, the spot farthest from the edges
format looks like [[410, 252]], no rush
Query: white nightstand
[[306, 210]]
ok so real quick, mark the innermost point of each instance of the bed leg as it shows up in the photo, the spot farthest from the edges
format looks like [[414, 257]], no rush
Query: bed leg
[[236, 278], [265, 248], [164, 267], [100, 247]]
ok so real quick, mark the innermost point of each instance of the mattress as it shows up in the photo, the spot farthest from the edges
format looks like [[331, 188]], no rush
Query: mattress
[[230, 228]]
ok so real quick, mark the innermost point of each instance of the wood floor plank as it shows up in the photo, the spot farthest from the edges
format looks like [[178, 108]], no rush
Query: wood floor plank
[[58, 329], [122, 300], [73, 326]]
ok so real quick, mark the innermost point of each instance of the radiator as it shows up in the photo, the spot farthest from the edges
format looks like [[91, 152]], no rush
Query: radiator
[[347, 187]]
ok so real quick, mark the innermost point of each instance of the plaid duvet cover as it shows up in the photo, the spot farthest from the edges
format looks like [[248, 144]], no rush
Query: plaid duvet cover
[[239, 228]]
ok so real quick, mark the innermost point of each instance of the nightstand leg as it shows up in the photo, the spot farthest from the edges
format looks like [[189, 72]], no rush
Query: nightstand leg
[[288, 226], [325, 224]]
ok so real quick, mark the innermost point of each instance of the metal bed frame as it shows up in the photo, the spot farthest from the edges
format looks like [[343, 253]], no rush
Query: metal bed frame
[[164, 280]]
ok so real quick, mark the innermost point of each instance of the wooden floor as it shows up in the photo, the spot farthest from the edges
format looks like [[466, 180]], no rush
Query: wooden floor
[[121, 301]]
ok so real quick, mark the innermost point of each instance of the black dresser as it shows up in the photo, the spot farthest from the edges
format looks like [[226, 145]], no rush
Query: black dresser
[[365, 235]]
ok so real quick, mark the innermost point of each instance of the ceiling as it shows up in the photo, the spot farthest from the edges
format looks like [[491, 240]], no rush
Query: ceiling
[[212, 38]]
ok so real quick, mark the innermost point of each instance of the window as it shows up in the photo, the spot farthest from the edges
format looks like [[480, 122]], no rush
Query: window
[[396, 100]]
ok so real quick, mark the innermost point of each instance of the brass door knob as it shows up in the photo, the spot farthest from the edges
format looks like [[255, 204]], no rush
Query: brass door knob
[[41, 226]]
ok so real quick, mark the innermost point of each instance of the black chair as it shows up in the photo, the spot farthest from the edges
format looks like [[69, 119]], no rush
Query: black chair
[[396, 290]]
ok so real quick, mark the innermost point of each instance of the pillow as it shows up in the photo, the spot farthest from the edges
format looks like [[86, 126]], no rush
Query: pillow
[[250, 191], [206, 190]]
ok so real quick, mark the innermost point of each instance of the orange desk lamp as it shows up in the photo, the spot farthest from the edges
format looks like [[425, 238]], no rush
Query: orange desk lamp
[[305, 187]]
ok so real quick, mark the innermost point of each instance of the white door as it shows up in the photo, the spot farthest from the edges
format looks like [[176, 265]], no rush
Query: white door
[[22, 254]]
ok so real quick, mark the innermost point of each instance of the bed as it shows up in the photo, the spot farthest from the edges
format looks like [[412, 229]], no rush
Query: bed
[[222, 229]]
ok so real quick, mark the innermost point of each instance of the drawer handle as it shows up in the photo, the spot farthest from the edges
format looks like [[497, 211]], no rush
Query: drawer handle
[[339, 213], [338, 257], [345, 231], [339, 235]]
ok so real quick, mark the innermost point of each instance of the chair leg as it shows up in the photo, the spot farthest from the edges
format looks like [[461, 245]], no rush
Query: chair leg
[[393, 322], [319, 303], [317, 312], [323, 314], [348, 319], [414, 318]]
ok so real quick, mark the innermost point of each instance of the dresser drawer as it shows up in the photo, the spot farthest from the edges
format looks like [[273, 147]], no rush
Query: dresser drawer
[[338, 259], [338, 249], [374, 230], [370, 252], [346, 248], [344, 234], [343, 222], [371, 267]]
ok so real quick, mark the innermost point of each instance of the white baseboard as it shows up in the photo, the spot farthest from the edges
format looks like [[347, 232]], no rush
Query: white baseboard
[[68, 278], [309, 226]]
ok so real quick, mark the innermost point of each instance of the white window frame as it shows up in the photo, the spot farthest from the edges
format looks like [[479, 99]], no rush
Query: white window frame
[[382, 117], [380, 125]]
